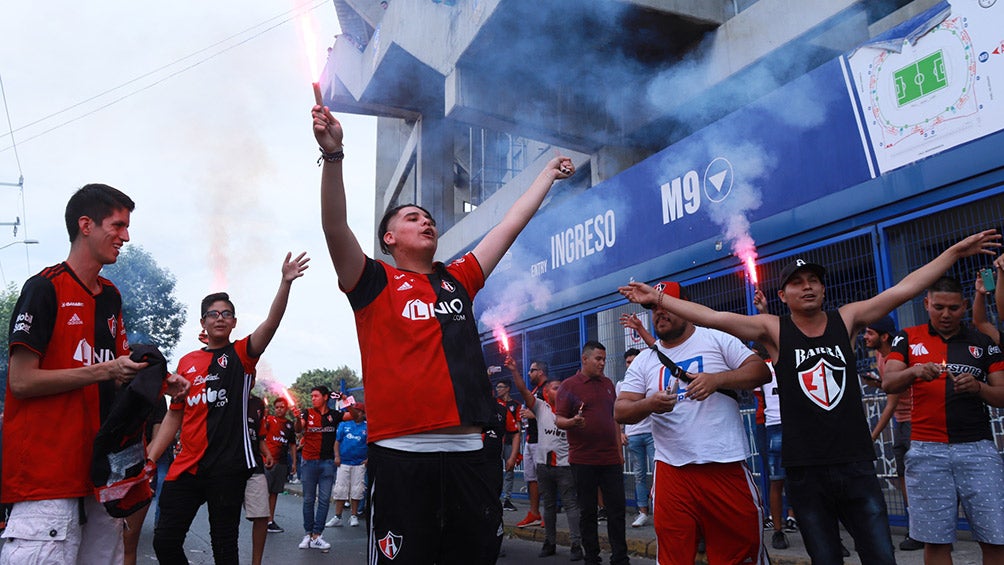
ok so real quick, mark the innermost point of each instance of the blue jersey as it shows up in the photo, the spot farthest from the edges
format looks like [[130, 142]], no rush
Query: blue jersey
[[352, 442]]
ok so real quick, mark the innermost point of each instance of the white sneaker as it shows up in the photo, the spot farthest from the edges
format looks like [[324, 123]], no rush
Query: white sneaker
[[334, 522], [319, 543], [306, 542], [353, 520], [641, 520]]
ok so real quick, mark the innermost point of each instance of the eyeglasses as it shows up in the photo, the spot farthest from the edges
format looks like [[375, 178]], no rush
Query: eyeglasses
[[213, 314]]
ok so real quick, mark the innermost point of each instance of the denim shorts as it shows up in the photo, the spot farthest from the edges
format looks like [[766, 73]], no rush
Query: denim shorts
[[775, 470], [941, 475]]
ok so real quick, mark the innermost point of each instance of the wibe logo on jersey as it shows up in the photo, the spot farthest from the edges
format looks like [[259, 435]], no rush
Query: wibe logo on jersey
[[212, 397]]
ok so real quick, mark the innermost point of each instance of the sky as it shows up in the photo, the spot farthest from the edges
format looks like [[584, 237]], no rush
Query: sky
[[219, 158]]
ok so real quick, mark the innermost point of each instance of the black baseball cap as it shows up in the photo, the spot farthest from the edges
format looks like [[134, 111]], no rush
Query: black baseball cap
[[801, 265]]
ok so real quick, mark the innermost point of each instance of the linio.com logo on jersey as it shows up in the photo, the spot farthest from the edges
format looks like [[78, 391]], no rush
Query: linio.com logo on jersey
[[415, 309]]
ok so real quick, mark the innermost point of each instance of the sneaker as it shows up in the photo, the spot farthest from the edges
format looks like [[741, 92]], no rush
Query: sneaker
[[548, 550], [768, 523], [334, 522], [790, 525], [305, 543], [910, 544], [274, 528], [601, 515], [319, 543], [508, 505], [641, 520], [530, 520], [779, 541], [353, 520], [577, 553]]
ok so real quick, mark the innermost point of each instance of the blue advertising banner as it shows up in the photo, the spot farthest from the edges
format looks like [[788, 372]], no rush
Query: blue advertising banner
[[797, 144]]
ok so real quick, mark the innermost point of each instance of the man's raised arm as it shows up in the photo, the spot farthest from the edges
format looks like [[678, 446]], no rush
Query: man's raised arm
[[857, 315], [346, 254], [292, 269], [517, 379], [762, 328], [497, 241]]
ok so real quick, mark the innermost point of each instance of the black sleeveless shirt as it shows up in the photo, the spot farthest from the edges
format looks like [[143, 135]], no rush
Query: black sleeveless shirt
[[822, 418]]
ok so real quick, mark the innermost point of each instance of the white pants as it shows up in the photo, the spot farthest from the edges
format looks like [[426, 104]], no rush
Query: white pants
[[49, 531]]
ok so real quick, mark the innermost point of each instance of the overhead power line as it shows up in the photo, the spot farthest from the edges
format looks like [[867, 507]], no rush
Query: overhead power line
[[284, 18]]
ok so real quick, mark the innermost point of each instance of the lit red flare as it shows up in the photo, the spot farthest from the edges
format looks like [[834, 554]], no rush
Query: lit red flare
[[503, 339], [287, 396], [317, 95], [751, 270], [308, 34]]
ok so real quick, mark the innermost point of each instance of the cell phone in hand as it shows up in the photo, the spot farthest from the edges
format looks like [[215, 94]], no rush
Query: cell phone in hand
[[988, 279]]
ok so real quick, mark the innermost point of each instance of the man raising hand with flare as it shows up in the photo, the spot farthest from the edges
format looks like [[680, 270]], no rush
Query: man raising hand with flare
[[826, 444], [418, 449]]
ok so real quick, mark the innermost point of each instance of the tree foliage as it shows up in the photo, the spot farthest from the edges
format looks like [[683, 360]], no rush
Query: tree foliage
[[150, 310], [8, 298], [329, 378]]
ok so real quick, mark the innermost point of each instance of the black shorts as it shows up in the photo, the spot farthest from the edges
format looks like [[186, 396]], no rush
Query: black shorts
[[409, 492], [276, 477]]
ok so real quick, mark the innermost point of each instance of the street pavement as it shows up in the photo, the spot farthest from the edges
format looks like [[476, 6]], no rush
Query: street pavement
[[642, 542], [348, 545]]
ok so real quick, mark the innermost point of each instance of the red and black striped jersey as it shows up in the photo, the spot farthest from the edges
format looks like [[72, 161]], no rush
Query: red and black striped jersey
[[215, 439], [319, 432], [423, 368], [939, 413], [57, 318], [279, 434]]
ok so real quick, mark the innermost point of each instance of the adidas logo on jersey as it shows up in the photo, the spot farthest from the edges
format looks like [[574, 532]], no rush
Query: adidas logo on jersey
[[918, 349], [404, 286], [75, 321]]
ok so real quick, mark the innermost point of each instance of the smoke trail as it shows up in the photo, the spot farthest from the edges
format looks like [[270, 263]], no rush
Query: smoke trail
[[514, 300]]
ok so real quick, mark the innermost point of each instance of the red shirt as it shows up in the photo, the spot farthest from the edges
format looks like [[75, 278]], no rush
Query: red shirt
[[215, 439], [279, 435], [319, 432], [599, 442], [423, 368], [48, 440], [939, 413]]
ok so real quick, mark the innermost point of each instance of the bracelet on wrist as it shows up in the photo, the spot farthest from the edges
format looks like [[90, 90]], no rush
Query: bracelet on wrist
[[332, 157]]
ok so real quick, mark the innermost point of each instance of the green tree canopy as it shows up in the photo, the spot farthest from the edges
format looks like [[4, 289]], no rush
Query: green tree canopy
[[150, 310], [329, 378], [8, 298]]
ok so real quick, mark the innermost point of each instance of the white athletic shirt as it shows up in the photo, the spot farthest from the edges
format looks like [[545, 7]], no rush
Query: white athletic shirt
[[710, 431], [771, 401], [549, 437], [642, 427]]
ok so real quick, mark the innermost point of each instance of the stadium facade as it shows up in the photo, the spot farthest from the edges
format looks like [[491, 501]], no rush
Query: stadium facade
[[863, 135]]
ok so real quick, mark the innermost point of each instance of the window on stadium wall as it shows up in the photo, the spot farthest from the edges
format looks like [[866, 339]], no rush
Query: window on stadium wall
[[916, 241], [556, 344]]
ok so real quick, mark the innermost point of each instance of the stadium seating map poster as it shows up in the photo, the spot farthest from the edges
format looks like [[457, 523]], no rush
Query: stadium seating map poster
[[937, 93]]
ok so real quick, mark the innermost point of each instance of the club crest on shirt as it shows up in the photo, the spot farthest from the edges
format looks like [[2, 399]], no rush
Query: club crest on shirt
[[448, 286], [976, 352], [222, 361], [823, 384], [112, 325], [390, 545]]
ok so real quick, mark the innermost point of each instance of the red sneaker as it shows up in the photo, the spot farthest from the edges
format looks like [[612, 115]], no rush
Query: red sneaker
[[530, 520]]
